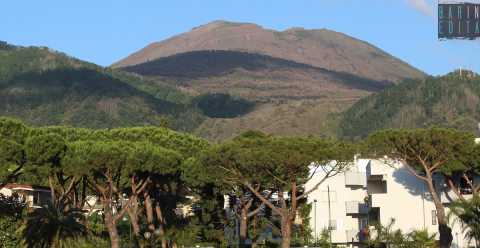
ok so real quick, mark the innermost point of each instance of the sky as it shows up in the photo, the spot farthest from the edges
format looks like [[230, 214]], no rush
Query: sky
[[105, 31]]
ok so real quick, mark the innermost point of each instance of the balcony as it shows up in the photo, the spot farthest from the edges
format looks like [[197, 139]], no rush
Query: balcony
[[447, 196], [355, 207], [357, 179]]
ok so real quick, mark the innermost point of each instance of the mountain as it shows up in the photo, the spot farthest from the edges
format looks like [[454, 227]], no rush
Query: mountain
[[216, 81], [452, 100], [295, 82], [274, 95], [45, 87], [319, 48], [252, 76]]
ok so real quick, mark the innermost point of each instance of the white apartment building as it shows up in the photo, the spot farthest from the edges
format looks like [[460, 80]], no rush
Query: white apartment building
[[374, 191]]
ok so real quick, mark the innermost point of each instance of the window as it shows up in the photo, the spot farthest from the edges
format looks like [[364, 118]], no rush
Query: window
[[374, 216], [36, 198], [45, 198], [434, 217], [377, 186]]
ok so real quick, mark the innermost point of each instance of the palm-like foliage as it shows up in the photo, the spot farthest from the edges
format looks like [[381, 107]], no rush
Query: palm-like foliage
[[422, 239], [386, 236], [11, 206], [52, 227], [12, 209], [468, 212]]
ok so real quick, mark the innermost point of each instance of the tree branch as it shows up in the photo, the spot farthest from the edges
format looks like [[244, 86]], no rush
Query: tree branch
[[262, 198], [452, 186], [328, 174], [254, 212], [436, 165], [414, 173]]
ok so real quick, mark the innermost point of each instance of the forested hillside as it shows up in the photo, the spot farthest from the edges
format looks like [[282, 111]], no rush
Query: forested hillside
[[452, 100], [45, 87]]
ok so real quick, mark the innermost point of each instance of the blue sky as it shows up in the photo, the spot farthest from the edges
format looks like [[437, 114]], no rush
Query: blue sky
[[104, 31]]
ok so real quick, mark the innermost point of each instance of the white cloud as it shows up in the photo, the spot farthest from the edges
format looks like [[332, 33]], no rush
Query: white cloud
[[421, 5]]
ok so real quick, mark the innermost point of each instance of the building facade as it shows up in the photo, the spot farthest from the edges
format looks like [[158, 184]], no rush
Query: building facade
[[34, 196], [376, 191]]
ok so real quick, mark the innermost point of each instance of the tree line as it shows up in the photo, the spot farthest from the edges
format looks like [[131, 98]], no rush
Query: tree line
[[143, 178]]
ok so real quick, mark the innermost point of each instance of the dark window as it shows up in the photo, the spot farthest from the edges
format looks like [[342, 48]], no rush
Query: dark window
[[465, 188], [45, 198], [36, 198], [374, 216], [434, 217]]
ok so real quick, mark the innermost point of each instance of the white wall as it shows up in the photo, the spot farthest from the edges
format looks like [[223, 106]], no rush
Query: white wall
[[339, 195], [407, 201]]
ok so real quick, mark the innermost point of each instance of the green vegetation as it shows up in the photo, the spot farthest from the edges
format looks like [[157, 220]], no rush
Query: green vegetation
[[255, 163], [44, 87], [468, 212], [449, 101], [386, 236], [426, 153], [141, 178], [12, 210]]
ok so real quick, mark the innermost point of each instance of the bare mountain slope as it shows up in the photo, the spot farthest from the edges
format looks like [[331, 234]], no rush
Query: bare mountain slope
[[289, 98], [320, 48], [255, 77]]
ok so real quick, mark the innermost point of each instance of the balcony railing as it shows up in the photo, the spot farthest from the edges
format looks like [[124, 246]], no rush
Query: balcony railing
[[355, 179], [356, 207]]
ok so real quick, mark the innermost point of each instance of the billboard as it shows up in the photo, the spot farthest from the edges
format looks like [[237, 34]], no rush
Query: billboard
[[458, 19]]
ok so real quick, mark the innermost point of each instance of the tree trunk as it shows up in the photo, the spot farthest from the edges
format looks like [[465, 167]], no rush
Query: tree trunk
[[444, 230], [149, 212], [254, 231], [83, 194], [286, 231], [161, 225], [111, 227], [132, 213], [243, 227], [52, 190]]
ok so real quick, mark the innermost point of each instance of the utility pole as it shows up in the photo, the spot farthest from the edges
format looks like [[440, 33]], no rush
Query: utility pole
[[423, 206], [329, 216], [315, 219]]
